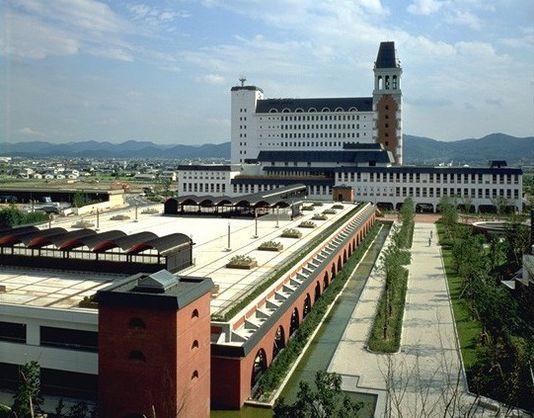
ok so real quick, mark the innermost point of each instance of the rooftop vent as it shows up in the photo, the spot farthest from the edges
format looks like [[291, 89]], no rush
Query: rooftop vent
[[158, 282], [497, 163]]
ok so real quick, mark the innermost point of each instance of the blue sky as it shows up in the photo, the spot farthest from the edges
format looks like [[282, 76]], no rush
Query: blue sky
[[162, 70]]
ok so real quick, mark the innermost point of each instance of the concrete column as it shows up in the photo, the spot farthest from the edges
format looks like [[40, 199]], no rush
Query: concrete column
[[33, 334]]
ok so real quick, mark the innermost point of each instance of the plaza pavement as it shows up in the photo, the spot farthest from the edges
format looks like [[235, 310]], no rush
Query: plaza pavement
[[428, 365], [210, 235]]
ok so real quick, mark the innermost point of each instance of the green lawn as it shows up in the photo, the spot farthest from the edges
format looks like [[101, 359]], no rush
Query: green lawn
[[468, 328]]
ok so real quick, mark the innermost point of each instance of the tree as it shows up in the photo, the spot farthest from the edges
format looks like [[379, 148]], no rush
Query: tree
[[28, 400], [79, 410], [80, 199], [449, 213], [327, 401], [10, 216], [517, 238]]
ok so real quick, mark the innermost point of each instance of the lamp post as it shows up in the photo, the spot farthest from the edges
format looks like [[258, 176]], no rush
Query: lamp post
[[277, 223], [135, 212], [97, 219], [255, 224], [228, 248]]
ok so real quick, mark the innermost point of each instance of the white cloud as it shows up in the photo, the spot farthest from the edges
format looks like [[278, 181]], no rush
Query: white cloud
[[118, 54], [156, 16], [36, 29], [464, 18], [425, 7], [26, 37], [91, 15], [215, 79], [27, 131]]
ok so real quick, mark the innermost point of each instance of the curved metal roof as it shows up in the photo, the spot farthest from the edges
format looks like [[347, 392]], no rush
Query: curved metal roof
[[7, 234], [30, 237], [162, 244]]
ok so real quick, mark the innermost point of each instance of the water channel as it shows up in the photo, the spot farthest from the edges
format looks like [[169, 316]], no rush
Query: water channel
[[323, 346]]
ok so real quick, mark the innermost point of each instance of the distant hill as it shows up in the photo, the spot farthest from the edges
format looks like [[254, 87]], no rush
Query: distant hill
[[498, 146], [417, 150], [128, 149]]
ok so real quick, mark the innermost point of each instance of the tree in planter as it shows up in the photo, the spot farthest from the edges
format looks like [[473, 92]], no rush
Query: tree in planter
[[327, 401], [28, 400]]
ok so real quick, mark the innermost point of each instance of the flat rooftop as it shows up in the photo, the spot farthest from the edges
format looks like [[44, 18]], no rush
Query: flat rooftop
[[50, 288], [55, 288]]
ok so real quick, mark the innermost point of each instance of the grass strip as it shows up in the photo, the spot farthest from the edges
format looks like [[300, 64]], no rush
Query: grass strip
[[468, 328], [386, 333], [273, 376], [226, 316]]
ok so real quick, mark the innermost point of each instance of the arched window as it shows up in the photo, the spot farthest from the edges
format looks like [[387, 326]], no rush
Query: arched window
[[195, 313], [339, 109], [273, 110], [194, 375], [325, 109], [259, 366], [353, 109], [299, 110], [294, 322], [279, 341], [136, 323], [286, 110], [312, 110], [136, 355], [194, 345]]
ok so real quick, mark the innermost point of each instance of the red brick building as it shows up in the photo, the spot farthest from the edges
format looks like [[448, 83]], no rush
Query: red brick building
[[154, 347]]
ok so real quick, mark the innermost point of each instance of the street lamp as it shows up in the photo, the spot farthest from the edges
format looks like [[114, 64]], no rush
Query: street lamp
[[277, 223], [255, 224], [228, 248]]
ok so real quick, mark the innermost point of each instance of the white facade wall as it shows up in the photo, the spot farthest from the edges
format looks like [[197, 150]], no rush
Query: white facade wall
[[426, 188], [205, 182], [49, 357], [312, 131], [244, 138]]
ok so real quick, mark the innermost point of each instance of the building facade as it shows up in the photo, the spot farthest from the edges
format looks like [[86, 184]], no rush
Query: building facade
[[320, 124]]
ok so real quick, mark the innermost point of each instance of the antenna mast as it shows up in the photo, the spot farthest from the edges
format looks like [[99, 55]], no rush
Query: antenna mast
[[242, 79]]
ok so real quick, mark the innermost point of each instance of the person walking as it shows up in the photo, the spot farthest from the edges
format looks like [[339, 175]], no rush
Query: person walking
[[429, 242]]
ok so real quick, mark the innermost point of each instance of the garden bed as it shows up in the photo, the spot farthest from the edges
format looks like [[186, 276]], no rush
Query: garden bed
[[319, 217], [307, 224], [242, 262], [291, 233], [271, 246]]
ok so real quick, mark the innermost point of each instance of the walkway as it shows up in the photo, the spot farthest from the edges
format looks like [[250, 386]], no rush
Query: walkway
[[429, 363]]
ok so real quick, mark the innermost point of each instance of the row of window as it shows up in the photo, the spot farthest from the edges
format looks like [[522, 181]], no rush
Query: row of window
[[53, 382], [446, 192], [211, 176], [316, 117], [320, 135], [431, 178], [256, 188], [149, 256], [204, 187], [318, 126]]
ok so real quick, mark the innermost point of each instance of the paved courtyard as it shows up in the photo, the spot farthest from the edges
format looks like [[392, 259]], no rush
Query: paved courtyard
[[428, 366]]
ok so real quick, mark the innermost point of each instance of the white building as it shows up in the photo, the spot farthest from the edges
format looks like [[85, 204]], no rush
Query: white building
[[353, 142], [320, 124]]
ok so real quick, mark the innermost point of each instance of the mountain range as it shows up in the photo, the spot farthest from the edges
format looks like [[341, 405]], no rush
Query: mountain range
[[417, 150]]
